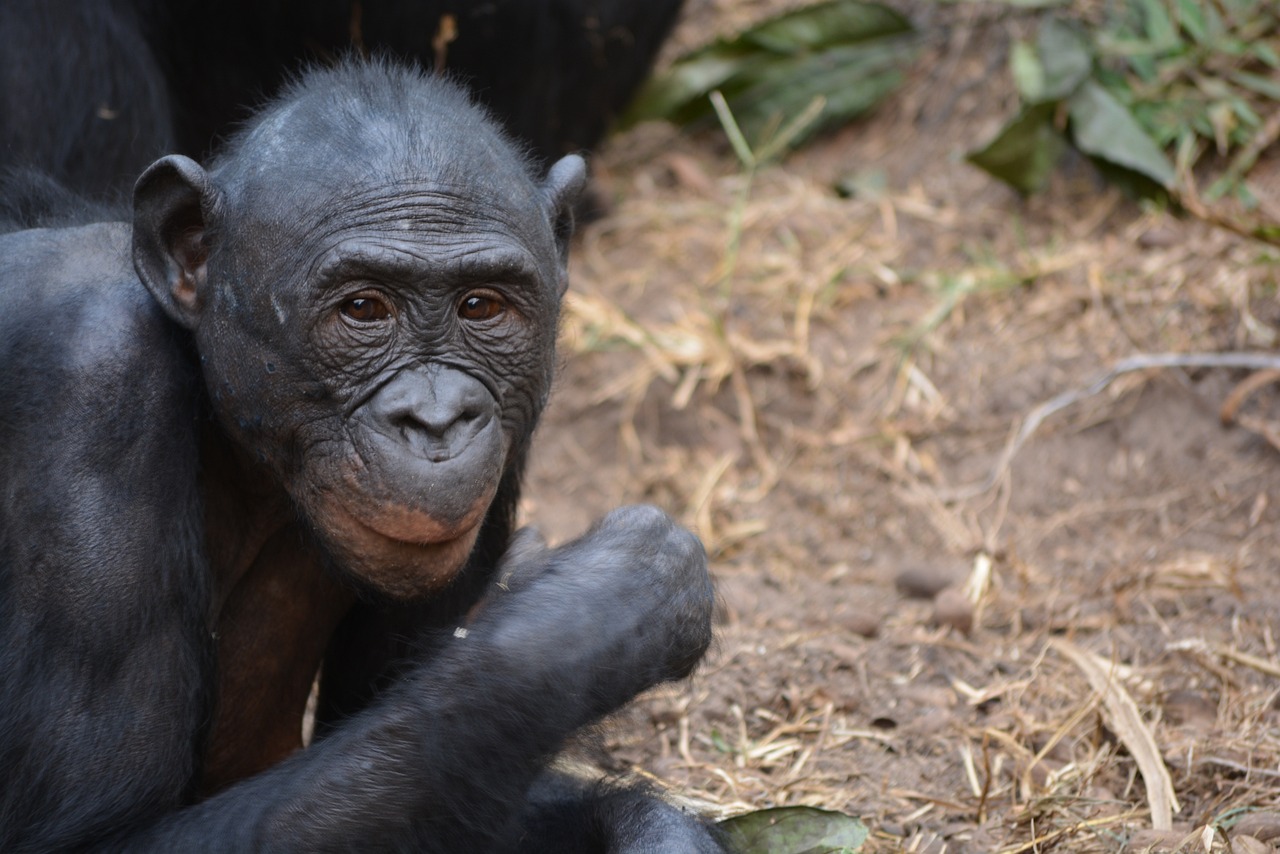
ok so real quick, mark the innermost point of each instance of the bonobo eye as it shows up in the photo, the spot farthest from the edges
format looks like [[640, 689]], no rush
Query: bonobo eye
[[481, 305], [365, 308]]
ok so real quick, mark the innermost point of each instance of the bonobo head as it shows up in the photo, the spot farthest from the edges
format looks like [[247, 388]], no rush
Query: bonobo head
[[372, 277]]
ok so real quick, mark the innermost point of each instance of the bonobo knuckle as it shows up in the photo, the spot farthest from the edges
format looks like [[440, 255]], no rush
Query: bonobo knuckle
[[638, 518], [646, 529], [683, 545]]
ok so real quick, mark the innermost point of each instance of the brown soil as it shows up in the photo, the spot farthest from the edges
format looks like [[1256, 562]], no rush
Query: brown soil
[[824, 412]]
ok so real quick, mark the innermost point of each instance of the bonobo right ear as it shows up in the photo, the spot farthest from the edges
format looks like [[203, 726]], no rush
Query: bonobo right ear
[[173, 202], [564, 184]]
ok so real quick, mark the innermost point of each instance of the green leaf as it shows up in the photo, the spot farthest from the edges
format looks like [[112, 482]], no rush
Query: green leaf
[[1145, 66], [824, 25], [1265, 53], [1066, 58], [1025, 152], [1265, 86], [851, 80], [1028, 73], [794, 830], [1159, 28], [775, 69], [1102, 128], [1230, 46], [1191, 17], [1030, 4], [687, 83]]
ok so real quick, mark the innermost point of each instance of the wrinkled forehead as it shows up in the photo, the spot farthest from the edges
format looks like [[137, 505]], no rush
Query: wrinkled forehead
[[384, 175], [327, 147], [406, 223]]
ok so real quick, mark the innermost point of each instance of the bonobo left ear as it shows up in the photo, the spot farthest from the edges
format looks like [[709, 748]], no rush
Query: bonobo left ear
[[565, 183], [173, 202]]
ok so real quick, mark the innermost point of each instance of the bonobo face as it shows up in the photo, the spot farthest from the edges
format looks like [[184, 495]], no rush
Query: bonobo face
[[384, 361], [382, 341]]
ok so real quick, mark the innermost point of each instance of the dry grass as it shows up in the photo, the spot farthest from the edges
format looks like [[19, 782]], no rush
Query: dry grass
[[1101, 658]]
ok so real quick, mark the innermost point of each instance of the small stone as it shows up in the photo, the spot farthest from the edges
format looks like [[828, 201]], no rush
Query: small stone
[[1263, 826], [1158, 237], [1041, 771], [858, 621], [952, 609], [926, 582]]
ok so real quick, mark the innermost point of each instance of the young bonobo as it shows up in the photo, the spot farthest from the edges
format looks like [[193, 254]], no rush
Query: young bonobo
[[277, 426]]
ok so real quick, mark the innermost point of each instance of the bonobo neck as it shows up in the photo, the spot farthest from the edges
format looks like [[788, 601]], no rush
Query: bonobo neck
[[274, 609], [245, 505]]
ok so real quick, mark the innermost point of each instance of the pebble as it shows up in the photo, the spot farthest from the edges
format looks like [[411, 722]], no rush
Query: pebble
[[1263, 826], [858, 621], [952, 609], [927, 581], [1158, 237]]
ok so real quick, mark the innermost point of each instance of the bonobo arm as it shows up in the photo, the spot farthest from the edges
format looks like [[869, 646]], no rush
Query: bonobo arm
[[104, 646], [443, 761]]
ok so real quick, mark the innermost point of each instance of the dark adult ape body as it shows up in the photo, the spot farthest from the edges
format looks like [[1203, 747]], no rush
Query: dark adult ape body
[[93, 90], [281, 420]]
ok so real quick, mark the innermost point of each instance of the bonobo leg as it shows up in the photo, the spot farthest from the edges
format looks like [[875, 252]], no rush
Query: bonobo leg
[[569, 814]]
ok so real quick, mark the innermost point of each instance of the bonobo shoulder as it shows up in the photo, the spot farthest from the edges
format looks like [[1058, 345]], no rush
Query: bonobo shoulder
[[66, 257], [70, 300]]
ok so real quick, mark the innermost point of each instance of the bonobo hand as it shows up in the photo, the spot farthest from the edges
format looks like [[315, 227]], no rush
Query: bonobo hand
[[623, 607]]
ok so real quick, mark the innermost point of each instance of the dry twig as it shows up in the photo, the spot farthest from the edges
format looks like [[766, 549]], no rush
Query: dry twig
[[1126, 721]]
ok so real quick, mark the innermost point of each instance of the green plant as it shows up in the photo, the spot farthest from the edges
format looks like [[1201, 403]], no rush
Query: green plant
[[1148, 77], [848, 53]]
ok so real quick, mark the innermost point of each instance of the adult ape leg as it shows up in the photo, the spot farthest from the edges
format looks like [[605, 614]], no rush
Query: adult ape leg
[[570, 814]]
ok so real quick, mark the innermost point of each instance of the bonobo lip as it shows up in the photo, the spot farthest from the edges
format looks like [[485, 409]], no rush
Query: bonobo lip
[[399, 567], [413, 527]]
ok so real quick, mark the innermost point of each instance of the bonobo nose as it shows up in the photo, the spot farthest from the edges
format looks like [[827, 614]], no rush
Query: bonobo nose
[[435, 410]]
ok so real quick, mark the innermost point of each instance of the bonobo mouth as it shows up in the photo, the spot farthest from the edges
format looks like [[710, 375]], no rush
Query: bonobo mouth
[[415, 527], [403, 558]]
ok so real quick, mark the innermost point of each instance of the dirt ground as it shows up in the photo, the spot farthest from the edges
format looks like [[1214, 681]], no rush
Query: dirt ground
[[971, 656]]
